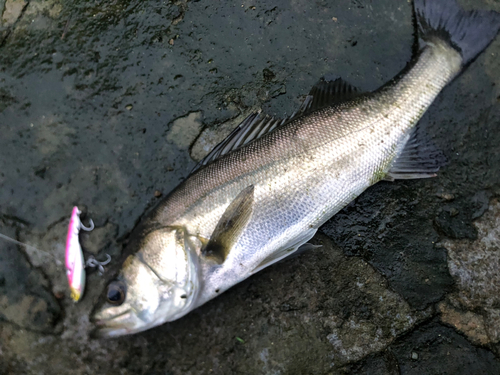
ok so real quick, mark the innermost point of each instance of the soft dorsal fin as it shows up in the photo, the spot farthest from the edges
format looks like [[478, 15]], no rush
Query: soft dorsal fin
[[230, 226], [322, 94], [325, 93]]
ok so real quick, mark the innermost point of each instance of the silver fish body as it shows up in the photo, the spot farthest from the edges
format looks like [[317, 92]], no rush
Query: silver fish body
[[305, 172], [297, 177]]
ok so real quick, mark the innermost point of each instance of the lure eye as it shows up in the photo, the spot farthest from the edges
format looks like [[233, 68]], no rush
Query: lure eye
[[116, 293]]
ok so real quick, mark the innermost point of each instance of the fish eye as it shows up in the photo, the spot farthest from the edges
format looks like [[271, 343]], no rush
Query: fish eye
[[116, 293]]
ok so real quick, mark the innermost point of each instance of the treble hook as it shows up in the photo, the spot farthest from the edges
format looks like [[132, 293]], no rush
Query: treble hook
[[93, 262], [88, 229]]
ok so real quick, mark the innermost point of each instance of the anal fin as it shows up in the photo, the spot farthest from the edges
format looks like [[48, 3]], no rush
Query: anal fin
[[419, 159]]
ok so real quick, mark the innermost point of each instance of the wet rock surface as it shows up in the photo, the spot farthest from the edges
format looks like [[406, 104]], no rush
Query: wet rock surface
[[390, 227], [108, 105], [25, 298], [430, 349], [474, 266]]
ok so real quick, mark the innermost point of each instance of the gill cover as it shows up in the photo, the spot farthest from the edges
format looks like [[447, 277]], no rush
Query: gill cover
[[155, 285], [170, 254]]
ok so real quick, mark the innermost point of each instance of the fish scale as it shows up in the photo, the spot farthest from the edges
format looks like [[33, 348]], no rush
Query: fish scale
[[306, 171], [248, 207]]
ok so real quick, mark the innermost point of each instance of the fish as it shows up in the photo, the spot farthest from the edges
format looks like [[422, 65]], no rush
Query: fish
[[75, 264], [263, 192]]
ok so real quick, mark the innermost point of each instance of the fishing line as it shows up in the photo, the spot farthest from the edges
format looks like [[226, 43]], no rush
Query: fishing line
[[29, 247], [90, 263]]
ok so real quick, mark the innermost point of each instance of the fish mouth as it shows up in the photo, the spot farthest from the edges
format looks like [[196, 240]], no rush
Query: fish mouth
[[116, 325]]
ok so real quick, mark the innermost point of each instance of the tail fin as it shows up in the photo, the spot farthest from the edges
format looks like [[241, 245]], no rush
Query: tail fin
[[468, 32]]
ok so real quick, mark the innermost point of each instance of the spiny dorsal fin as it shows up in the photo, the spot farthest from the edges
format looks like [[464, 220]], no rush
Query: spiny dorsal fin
[[230, 226], [252, 127], [256, 125], [419, 159]]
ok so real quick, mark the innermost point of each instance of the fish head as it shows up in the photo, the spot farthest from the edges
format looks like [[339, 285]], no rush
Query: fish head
[[158, 283]]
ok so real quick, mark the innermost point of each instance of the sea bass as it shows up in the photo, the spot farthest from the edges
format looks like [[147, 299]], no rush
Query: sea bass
[[262, 194]]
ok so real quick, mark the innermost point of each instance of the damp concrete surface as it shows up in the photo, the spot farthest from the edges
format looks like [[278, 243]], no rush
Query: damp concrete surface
[[108, 105]]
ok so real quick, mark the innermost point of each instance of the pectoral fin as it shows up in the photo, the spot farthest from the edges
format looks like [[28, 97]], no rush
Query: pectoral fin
[[230, 226]]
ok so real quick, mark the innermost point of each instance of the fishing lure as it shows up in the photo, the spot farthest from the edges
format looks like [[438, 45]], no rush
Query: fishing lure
[[75, 266]]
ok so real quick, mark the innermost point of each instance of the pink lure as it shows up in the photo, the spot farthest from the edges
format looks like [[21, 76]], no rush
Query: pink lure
[[75, 266]]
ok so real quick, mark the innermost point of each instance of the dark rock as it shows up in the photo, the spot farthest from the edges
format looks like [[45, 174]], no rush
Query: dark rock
[[440, 351], [453, 226], [268, 74], [98, 239], [475, 268], [24, 298], [389, 226]]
